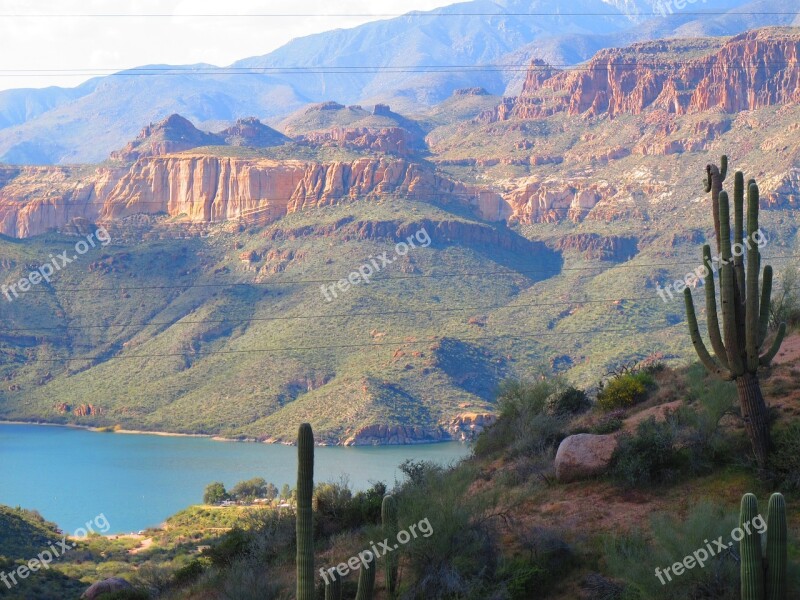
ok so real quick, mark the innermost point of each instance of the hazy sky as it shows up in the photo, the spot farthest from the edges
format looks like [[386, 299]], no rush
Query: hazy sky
[[33, 49]]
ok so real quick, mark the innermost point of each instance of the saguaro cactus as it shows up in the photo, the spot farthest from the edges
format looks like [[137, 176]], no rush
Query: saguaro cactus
[[763, 570], [390, 529], [333, 590], [715, 176], [745, 317], [304, 519], [366, 581]]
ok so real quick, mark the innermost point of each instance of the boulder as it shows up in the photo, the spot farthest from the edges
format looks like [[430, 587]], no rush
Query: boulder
[[112, 584], [584, 455]]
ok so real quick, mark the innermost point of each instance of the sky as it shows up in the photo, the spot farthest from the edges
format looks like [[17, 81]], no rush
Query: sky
[[54, 42]]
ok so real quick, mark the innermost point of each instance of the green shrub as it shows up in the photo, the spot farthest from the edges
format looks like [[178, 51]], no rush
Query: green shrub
[[785, 457], [523, 425], [571, 401], [610, 423], [649, 456], [625, 390], [189, 573], [523, 580], [231, 546]]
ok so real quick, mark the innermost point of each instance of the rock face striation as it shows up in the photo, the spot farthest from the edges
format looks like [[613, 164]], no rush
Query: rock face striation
[[752, 70], [205, 189]]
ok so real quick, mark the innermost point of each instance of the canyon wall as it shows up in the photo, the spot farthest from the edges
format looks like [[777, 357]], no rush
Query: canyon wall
[[753, 70], [202, 189]]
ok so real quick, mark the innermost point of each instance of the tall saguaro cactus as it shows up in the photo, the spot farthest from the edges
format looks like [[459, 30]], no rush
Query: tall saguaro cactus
[[763, 569], [745, 316], [390, 530], [715, 178], [304, 519]]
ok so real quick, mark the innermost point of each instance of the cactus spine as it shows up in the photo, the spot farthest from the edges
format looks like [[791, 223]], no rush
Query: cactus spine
[[305, 524], [745, 316], [762, 581], [390, 529]]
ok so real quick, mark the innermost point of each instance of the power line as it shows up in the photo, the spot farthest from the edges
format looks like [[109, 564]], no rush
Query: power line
[[339, 70], [340, 346], [388, 278], [392, 15]]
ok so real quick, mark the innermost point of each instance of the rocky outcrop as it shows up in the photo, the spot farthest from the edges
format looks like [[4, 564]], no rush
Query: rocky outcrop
[[380, 435], [598, 247], [753, 70], [204, 189], [554, 200], [107, 586], [388, 140], [173, 134], [467, 426], [252, 133], [584, 455]]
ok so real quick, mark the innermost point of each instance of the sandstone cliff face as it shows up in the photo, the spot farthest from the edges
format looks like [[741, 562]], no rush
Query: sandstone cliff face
[[388, 140], [753, 70], [204, 189]]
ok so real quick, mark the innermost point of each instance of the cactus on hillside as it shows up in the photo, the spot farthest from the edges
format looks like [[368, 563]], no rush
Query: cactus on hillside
[[745, 316], [366, 581], [390, 529], [763, 570], [304, 518]]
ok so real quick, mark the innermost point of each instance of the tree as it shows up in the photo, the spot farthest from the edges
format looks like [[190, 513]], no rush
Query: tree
[[215, 493], [250, 489], [270, 492], [745, 317], [286, 492]]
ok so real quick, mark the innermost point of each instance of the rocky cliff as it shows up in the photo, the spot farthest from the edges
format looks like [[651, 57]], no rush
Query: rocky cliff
[[752, 70], [203, 188]]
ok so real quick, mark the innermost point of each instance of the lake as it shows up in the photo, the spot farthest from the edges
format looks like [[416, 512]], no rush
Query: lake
[[72, 475]]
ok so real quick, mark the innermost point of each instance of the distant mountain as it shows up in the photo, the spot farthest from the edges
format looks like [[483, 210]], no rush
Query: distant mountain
[[410, 62]]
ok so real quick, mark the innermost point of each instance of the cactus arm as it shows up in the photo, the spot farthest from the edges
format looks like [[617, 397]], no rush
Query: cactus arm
[[753, 268], [305, 523], [708, 180], [366, 581], [776, 345], [750, 551], [766, 294], [390, 529], [777, 556], [738, 231], [694, 331], [727, 292], [711, 308], [723, 167]]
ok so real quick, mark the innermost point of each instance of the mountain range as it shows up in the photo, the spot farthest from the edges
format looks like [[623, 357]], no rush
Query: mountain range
[[410, 62]]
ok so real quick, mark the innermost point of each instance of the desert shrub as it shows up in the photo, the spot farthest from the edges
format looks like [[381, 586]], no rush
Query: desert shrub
[[624, 390], [633, 558], [459, 558], [189, 572], [570, 401], [785, 305], [609, 423], [523, 425], [785, 457], [522, 579], [649, 456], [133, 594], [230, 546]]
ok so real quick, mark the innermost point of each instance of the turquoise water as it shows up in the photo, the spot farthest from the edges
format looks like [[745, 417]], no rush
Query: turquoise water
[[72, 475]]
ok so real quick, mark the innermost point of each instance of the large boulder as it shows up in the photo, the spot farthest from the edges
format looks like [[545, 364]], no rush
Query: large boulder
[[584, 455], [112, 584]]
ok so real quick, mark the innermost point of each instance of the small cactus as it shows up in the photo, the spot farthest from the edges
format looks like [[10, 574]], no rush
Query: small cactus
[[366, 581], [390, 529]]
